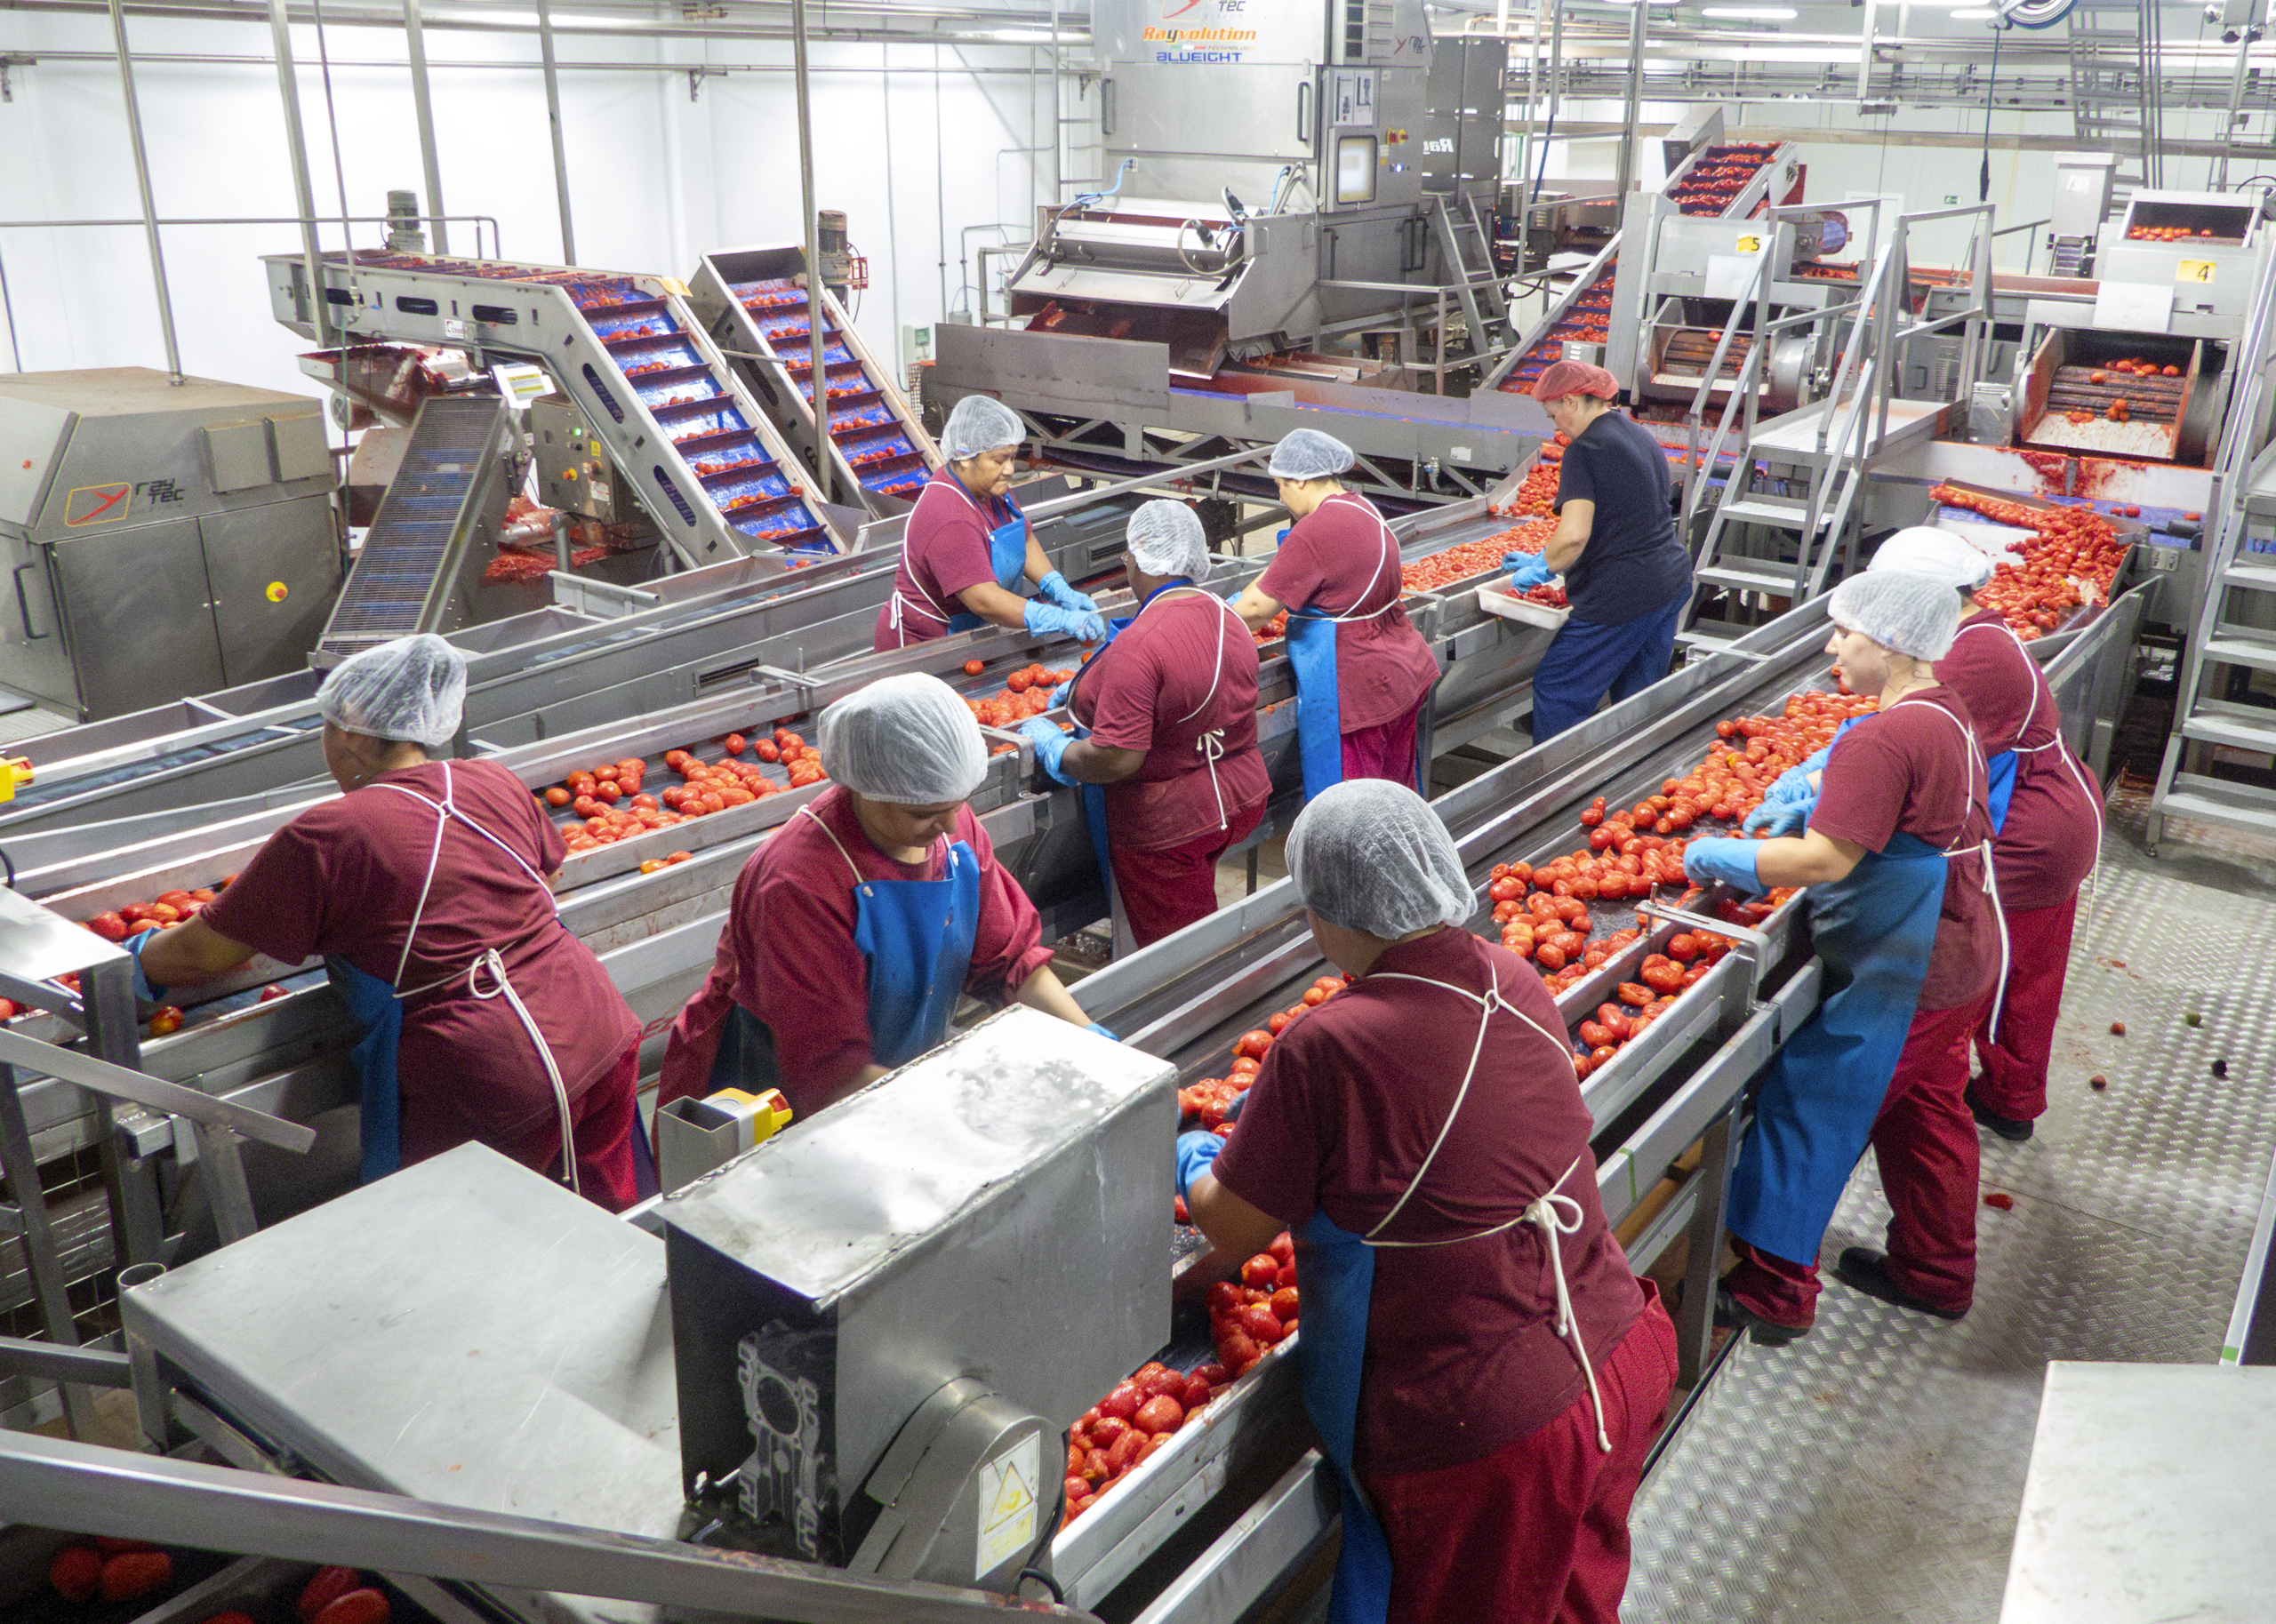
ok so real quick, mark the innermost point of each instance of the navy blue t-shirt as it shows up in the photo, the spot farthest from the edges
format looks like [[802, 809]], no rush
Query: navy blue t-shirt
[[1633, 565]]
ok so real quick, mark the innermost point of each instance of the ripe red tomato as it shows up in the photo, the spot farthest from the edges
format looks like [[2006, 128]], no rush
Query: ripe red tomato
[[364, 1606], [110, 926], [1254, 1045], [1261, 1270], [973, 667], [75, 1572], [1283, 1304], [325, 1586], [135, 1573], [168, 1019], [1261, 1324], [1122, 1402], [1160, 1413]]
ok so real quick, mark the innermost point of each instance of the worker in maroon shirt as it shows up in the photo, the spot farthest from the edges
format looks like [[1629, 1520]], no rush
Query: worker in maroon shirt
[[424, 885], [1482, 1367], [1896, 856], [856, 928], [2046, 810], [1363, 672], [1170, 772], [966, 548]]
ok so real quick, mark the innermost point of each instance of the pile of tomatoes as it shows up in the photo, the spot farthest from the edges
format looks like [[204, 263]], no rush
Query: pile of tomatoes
[[2135, 365], [1246, 1320], [1720, 174], [1537, 491], [2165, 234], [1588, 320], [1478, 558], [1026, 692], [167, 908], [2073, 554], [1272, 630], [615, 807]]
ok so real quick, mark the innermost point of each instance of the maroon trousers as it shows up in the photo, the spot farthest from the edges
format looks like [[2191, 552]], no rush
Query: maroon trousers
[[1166, 890], [1537, 1532], [602, 1121], [1925, 1142], [2014, 1079], [1387, 751]]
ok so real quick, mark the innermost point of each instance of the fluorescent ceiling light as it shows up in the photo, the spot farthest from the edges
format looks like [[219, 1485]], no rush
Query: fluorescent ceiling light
[[1023, 36], [1974, 13], [1750, 13]]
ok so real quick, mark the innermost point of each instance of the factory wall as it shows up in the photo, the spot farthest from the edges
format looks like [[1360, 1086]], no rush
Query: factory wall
[[914, 143]]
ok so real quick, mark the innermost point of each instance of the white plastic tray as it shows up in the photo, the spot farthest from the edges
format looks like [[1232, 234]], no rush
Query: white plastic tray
[[1493, 601]]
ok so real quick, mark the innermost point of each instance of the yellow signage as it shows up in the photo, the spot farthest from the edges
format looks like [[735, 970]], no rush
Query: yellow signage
[[2195, 270], [1748, 244]]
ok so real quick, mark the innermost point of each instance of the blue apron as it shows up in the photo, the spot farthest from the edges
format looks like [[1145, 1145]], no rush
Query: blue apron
[[916, 937], [1311, 655], [1339, 1275], [2002, 769], [1874, 930], [377, 1006], [1007, 555]]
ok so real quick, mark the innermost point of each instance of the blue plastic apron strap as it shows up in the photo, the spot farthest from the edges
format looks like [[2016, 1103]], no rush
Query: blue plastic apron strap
[[1007, 555], [2002, 769], [1874, 931], [1339, 1270], [1319, 736], [918, 936], [372, 1005]]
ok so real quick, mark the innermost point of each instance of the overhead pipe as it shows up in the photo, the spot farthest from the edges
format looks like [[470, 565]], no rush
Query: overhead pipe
[[142, 183], [415, 34], [288, 86], [553, 118]]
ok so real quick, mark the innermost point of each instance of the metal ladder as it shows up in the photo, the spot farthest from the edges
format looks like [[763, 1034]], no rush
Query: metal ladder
[[2115, 100], [2233, 630], [1469, 251]]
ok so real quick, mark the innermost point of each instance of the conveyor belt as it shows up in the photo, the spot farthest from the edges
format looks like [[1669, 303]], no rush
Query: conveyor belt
[[418, 542]]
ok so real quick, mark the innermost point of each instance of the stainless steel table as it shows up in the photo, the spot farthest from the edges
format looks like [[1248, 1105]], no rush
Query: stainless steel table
[[2148, 1499]]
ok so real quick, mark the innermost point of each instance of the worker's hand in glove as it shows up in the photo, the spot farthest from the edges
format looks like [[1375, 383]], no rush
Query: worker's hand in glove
[[1059, 695], [1050, 620], [1776, 818], [1195, 1151], [1798, 783], [1054, 586], [1526, 570], [146, 990], [1050, 744], [1102, 1032], [1731, 862]]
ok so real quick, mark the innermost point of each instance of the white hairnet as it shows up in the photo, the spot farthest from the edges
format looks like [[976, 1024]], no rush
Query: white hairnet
[[1306, 454], [1371, 855], [908, 739], [1911, 614], [1938, 554], [1166, 539], [413, 689], [978, 424]]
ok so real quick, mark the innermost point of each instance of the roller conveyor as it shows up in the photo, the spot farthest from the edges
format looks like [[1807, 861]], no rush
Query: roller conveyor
[[1731, 179], [755, 303], [712, 468], [419, 556]]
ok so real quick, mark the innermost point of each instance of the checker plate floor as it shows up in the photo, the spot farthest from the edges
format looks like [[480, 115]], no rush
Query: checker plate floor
[[1873, 1471]]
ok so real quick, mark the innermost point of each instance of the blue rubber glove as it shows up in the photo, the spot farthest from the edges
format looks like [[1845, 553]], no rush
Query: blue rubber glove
[[1732, 861], [1054, 586], [1233, 1111], [1058, 700], [145, 988], [1195, 1151], [1050, 620], [1776, 818], [1526, 570], [1050, 744], [1102, 1032]]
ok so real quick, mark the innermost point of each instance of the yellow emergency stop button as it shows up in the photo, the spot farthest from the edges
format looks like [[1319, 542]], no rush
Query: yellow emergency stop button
[[277, 591]]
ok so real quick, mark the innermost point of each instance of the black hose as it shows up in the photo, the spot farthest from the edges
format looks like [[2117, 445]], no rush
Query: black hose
[[1058, 1597]]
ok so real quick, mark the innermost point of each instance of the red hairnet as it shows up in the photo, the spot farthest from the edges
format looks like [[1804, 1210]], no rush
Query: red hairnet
[[1559, 379]]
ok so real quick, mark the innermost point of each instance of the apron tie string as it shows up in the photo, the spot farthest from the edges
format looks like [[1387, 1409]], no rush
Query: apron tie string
[[1212, 746], [1549, 1213], [496, 966]]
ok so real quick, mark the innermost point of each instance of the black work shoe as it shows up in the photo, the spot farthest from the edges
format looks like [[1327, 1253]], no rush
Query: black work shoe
[[2015, 1129], [1863, 1269], [1732, 1315]]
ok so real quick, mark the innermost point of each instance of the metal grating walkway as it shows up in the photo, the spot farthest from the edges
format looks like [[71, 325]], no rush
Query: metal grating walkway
[[1873, 1471]]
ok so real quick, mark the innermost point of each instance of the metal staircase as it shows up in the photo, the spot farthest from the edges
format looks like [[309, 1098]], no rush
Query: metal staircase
[[2115, 100], [1790, 504], [1468, 248], [2233, 632]]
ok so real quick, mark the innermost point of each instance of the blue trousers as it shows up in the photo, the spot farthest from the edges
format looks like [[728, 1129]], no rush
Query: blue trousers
[[1587, 659]]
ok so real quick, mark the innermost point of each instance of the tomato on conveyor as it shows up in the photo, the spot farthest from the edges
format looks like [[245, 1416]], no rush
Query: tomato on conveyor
[[2071, 552]]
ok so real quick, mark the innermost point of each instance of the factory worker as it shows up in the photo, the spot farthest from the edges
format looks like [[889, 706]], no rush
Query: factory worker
[[856, 927], [967, 548], [1896, 855], [1363, 672], [1423, 1133], [2046, 810], [424, 887], [1626, 574], [1170, 772]]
